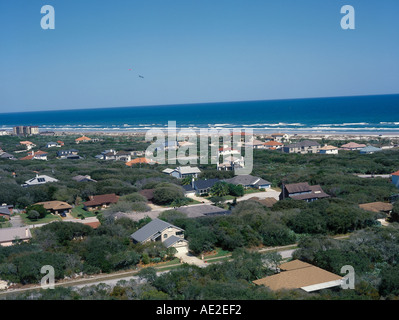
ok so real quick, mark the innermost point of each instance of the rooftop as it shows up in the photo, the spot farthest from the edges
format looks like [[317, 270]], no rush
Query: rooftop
[[300, 275], [102, 199], [204, 210], [150, 229]]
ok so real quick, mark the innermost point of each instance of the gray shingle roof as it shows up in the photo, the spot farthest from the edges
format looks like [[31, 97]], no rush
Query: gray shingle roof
[[305, 143], [247, 180], [171, 241], [151, 229], [202, 211]]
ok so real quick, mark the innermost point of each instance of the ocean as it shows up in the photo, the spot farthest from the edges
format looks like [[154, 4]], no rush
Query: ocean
[[378, 114]]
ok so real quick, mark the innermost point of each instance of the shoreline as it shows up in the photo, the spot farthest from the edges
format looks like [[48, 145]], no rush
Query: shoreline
[[361, 135]]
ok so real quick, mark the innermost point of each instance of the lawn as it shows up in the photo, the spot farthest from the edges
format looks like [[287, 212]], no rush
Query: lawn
[[78, 212], [48, 218]]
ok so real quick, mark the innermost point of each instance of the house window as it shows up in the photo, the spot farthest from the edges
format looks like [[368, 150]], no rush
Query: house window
[[165, 236]]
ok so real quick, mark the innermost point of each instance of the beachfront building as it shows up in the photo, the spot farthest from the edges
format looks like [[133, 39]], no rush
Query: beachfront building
[[369, 150], [280, 137], [82, 139], [273, 145], [306, 146], [328, 150], [25, 130], [352, 146]]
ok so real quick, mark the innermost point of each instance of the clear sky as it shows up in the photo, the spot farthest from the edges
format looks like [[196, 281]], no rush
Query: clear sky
[[193, 51]]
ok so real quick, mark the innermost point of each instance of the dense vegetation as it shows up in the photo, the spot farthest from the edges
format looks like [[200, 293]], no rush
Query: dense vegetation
[[75, 249]]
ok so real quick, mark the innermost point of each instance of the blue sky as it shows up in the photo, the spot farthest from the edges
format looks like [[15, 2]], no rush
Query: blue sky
[[193, 51]]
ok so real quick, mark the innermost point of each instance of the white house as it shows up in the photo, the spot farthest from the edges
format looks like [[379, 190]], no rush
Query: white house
[[182, 172], [39, 179], [328, 150]]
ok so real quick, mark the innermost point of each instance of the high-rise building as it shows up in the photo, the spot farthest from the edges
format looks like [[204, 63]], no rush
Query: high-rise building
[[25, 130]]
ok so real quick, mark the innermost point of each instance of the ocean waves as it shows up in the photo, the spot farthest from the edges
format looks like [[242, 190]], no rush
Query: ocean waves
[[380, 127]]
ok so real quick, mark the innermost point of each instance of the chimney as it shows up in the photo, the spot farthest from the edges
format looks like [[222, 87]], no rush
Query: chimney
[[26, 232], [192, 182]]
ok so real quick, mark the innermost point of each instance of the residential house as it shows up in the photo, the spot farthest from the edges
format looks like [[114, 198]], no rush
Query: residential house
[[64, 153], [273, 145], [39, 179], [205, 210], [123, 156], [297, 274], [61, 143], [28, 145], [10, 236], [280, 137], [395, 178], [6, 211], [302, 191], [101, 201], [68, 154], [369, 150], [306, 146], [38, 155], [200, 187], [231, 163], [52, 145], [227, 151], [248, 181], [257, 144], [86, 178], [82, 139], [327, 149], [352, 146], [183, 172], [377, 207], [140, 161], [159, 230], [56, 207], [5, 155]]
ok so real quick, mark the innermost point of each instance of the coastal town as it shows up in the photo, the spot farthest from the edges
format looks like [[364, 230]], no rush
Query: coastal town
[[104, 204]]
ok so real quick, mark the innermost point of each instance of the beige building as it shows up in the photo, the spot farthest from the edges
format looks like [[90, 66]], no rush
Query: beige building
[[10, 236], [159, 230], [300, 275]]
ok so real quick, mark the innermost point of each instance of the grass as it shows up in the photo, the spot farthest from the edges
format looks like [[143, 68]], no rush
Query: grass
[[6, 224], [78, 210], [48, 218]]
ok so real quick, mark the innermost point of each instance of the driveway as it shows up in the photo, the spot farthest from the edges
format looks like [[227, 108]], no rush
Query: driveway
[[261, 195], [16, 221]]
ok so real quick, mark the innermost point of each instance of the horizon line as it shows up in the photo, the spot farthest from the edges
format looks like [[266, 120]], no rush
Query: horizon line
[[199, 103]]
